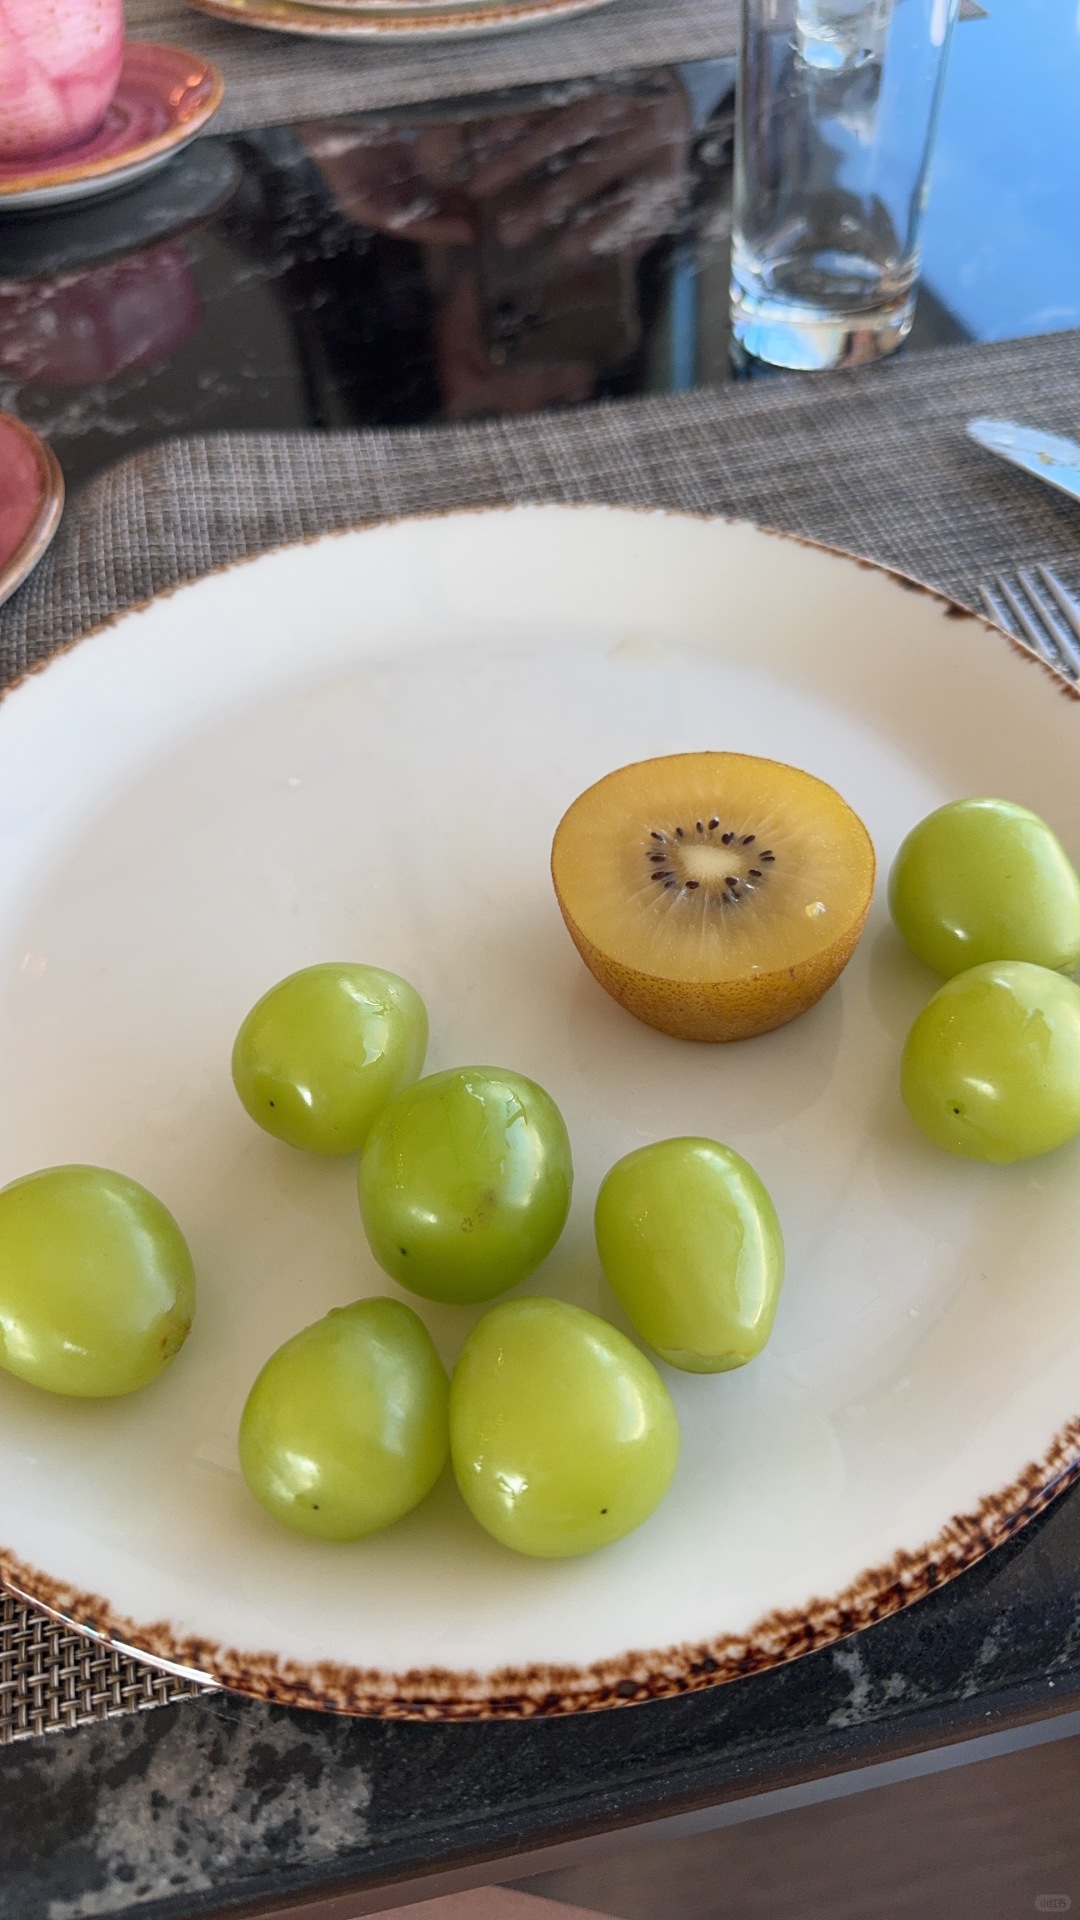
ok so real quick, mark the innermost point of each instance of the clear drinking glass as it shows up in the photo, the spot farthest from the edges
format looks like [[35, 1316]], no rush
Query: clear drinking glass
[[837, 107]]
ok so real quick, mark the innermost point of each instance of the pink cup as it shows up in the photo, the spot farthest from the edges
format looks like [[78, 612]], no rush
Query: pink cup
[[59, 69]]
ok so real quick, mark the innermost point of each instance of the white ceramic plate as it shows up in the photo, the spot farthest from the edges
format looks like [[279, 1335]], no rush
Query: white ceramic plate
[[395, 21], [360, 748]]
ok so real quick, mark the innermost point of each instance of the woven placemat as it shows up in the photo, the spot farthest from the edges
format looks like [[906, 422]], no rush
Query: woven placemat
[[52, 1678], [873, 461], [271, 78]]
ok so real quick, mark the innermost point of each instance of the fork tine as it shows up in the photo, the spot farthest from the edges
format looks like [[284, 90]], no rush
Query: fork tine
[[1060, 635], [998, 612], [1068, 608], [1032, 629]]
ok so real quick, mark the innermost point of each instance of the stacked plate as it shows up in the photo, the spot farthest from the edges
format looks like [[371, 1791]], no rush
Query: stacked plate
[[393, 19]]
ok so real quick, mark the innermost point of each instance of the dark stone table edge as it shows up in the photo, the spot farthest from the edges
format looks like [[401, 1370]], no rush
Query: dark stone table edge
[[426, 1863]]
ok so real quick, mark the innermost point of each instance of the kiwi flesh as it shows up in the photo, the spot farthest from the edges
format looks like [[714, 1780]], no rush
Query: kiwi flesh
[[713, 895]]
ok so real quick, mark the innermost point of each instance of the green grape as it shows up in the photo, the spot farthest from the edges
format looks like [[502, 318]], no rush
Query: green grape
[[991, 1068], [97, 1289], [691, 1244], [465, 1183], [345, 1429], [986, 880], [320, 1054], [563, 1436]]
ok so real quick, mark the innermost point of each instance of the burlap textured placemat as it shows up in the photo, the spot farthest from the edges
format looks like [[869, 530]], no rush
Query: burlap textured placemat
[[873, 461], [272, 77]]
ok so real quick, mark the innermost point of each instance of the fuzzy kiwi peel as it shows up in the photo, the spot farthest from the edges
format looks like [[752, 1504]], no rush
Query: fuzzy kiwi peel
[[715, 896]]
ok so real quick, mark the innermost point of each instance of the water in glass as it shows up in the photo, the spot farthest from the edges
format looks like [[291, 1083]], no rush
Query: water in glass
[[838, 101]]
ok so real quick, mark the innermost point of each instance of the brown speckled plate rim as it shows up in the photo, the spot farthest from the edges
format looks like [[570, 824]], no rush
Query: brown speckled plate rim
[[189, 120], [549, 1690], [391, 10], [306, 17], [541, 1690], [39, 536]]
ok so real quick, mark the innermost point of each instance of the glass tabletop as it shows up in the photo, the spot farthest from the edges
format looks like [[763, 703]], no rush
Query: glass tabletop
[[547, 247]]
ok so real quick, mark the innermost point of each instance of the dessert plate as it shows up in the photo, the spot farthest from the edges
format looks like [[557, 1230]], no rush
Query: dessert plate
[[165, 97], [405, 9], [360, 748], [31, 501], [392, 21]]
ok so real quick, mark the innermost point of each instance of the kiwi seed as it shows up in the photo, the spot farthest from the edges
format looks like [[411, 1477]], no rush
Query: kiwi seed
[[698, 863]]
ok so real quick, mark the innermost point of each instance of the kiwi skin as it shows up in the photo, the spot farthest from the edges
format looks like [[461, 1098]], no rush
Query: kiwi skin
[[720, 1010]]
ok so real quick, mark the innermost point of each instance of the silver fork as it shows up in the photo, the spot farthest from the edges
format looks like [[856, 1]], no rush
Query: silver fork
[[1039, 610]]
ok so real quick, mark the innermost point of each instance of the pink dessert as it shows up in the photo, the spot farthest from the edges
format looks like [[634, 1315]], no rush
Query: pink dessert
[[59, 68], [164, 96]]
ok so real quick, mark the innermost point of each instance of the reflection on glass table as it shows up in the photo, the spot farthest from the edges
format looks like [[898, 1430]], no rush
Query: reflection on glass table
[[539, 248], [101, 322], [527, 227]]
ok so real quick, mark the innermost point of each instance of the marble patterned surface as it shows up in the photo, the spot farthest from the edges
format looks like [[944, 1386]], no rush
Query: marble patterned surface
[[214, 1802]]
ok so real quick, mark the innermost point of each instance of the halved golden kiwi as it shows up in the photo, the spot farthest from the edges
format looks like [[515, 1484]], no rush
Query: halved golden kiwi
[[714, 895]]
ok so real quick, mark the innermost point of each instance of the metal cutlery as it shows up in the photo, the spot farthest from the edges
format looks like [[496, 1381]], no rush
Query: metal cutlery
[[1034, 605], [1049, 456]]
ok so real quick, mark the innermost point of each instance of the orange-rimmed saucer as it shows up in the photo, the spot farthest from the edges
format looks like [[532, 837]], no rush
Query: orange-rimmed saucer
[[394, 19], [31, 501], [165, 97]]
